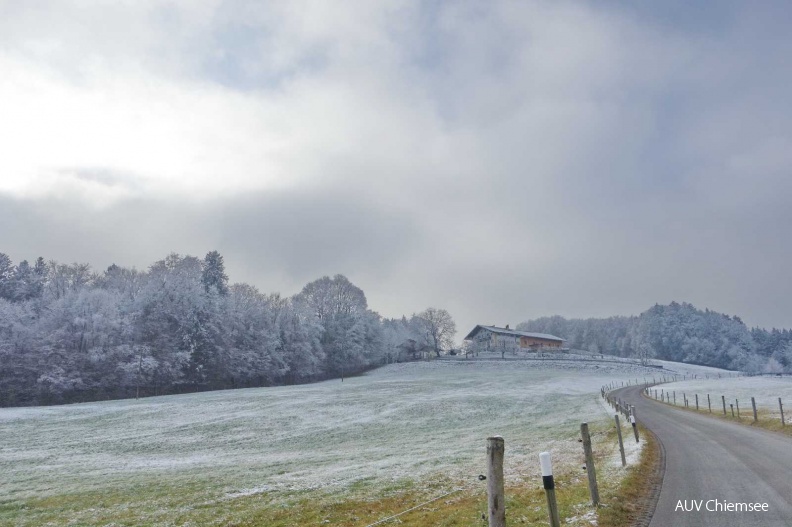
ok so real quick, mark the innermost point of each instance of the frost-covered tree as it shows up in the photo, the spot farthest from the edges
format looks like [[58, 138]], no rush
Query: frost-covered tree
[[251, 351], [400, 337], [20, 354], [677, 332], [437, 327], [479, 343], [342, 310], [23, 281], [213, 276], [128, 283], [394, 335], [299, 342], [7, 282], [177, 315], [40, 271], [333, 297], [783, 356], [68, 334], [63, 278]]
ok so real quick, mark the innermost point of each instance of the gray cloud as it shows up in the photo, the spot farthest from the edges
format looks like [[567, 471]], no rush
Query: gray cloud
[[503, 160], [276, 241]]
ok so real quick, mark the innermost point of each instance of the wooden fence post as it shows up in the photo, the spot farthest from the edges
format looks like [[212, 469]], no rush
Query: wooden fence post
[[732, 409], [753, 403], [621, 444], [738, 407], [674, 397], [709, 404], [496, 503], [723, 399], [697, 402], [781, 407], [549, 486], [592, 473]]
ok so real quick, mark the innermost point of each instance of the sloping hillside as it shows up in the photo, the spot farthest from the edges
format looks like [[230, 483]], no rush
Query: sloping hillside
[[213, 457]]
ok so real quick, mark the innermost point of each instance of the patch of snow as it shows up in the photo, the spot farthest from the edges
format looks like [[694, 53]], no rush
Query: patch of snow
[[248, 492]]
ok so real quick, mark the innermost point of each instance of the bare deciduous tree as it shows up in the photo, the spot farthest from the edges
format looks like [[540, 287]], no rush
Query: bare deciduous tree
[[437, 327]]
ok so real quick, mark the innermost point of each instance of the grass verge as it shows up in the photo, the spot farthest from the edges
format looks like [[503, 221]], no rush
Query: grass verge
[[766, 419], [631, 502]]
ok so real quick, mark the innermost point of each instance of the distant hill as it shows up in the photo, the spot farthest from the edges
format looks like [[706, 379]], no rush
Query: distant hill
[[676, 332]]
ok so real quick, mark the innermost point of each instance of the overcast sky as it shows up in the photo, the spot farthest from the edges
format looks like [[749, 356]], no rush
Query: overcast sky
[[501, 159]]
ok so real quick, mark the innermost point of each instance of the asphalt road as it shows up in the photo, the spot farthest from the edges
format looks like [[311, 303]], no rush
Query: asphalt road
[[711, 459]]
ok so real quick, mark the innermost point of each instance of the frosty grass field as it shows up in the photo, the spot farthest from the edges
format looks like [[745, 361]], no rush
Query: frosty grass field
[[766, 390], [416, 428]]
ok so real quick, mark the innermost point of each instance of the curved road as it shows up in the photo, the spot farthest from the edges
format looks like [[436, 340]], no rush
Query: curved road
[[710, 459]]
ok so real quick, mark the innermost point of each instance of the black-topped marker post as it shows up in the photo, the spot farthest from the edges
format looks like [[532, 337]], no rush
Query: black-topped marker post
[[549, 486]]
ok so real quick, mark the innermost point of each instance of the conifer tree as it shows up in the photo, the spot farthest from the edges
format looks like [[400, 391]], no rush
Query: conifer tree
[[214, 276]]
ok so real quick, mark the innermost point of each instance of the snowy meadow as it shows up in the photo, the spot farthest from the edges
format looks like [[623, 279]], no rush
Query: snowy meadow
[[211, 457]]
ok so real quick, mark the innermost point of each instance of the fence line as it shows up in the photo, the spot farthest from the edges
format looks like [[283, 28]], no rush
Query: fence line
[[495, 450], [495, 453], [389, 518], [650, 392]]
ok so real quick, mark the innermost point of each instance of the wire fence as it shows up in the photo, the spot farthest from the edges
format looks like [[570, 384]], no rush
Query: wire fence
[[424, 504], [705, 402], [472, 486]]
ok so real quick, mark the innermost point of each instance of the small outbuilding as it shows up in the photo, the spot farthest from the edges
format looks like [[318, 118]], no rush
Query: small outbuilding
[[410, 349]]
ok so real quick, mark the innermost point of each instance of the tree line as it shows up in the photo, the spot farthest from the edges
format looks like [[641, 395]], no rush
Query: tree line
[[677, 332], [69, 334]]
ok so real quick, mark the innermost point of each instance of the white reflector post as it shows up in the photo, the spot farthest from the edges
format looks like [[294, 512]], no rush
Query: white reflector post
[[549, 486], [546, 463], [632, 419]]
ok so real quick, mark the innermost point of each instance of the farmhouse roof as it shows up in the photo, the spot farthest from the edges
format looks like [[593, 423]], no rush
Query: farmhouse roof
[[504, 331]]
